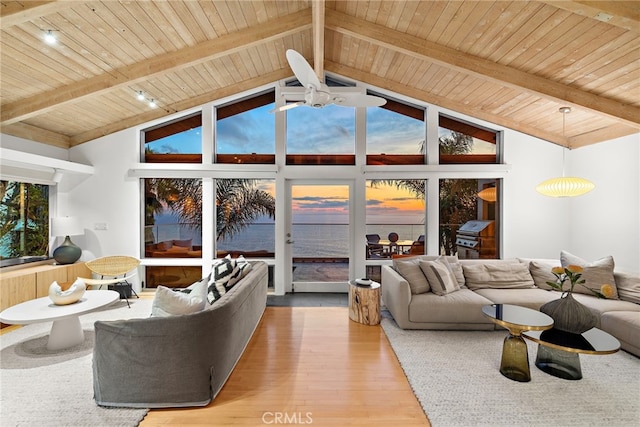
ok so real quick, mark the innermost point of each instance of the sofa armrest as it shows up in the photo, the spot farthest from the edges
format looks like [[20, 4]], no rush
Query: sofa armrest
[[396, 295], [628, 286], [150, 362]]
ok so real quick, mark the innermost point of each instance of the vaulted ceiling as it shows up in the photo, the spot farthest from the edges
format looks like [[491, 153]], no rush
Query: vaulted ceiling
[[513, 63]]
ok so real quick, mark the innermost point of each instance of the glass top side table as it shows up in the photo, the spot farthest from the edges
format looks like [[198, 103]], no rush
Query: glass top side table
[[515, 358], [559, 351]]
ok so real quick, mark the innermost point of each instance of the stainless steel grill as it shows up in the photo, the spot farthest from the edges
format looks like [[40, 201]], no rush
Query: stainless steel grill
[[476, 239]]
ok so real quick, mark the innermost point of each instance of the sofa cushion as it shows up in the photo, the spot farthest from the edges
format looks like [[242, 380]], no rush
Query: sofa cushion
[[463, 307], [600, 305], [221, 272], [628, 286], [531, 298], [409, 269], [541, 274], [595, 274], [440, 277], [172, 303], [625, 326], [504, 275]]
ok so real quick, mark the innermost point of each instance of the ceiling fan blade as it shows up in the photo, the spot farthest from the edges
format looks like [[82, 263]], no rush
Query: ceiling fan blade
[[303, 71], [287, 106], [358, 100]]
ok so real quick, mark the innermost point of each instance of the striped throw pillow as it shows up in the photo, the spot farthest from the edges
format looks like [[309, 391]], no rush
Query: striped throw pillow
[[440, 278]]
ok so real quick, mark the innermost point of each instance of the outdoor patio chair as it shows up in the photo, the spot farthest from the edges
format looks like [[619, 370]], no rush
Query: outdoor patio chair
[[113, 273], [374, 249]]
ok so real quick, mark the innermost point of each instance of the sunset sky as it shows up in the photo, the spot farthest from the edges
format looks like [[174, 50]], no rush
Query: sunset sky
[[327, 130]]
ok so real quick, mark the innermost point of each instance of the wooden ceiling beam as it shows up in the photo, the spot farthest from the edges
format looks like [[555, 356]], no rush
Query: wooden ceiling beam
[[318, 37], [34, 133], [19, 12], [173, 61], [622, 14], [204, 98], [442, 101], [605, 134], [425, 50]]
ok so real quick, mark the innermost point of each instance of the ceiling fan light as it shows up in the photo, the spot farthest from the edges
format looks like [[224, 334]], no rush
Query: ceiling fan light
[[566, 186]]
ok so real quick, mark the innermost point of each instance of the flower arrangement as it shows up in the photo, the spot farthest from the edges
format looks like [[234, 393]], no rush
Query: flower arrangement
[[573, 274]]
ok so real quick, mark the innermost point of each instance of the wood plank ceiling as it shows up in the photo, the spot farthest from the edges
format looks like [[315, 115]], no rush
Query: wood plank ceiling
[[513, 63]]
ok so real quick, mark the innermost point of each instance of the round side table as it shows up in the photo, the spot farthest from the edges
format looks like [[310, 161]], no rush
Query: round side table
[[364, 303]]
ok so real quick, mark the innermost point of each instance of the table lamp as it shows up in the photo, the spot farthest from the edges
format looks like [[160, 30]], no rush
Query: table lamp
[[68, 252]]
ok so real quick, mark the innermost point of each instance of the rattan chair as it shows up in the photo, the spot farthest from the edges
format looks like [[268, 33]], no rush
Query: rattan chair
[[113, 270]]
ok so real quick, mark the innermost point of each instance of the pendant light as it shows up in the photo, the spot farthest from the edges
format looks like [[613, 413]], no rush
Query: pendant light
[[489, 194], [565, 186]]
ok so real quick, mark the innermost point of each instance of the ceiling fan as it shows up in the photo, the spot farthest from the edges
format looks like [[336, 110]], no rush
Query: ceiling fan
[[317, 94]]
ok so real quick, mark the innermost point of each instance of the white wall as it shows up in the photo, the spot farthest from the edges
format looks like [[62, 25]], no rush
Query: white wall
[[109, 196], [606, 221]]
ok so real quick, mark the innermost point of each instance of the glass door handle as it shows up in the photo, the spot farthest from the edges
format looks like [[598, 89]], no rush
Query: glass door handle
[[289, 241]]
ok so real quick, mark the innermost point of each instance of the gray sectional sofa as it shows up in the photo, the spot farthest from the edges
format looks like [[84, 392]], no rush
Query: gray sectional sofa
[[177, 360], [414, 304]]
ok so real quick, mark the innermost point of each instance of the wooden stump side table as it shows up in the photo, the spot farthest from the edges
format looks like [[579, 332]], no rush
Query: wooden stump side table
[[364, 303]]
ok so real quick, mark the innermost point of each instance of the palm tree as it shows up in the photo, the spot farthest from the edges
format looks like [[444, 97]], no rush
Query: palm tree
[[239, 202]]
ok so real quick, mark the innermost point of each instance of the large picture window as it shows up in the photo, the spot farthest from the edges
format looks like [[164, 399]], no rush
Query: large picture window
[[469, 218], [173, 218], [321, 136], [395, 217], [24, 222], [179, 141], [395, 134], [246, 131], [245, 217], [462, 142]]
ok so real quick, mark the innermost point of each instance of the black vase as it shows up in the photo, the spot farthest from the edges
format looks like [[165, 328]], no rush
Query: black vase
[[67, 253], [569, 315]]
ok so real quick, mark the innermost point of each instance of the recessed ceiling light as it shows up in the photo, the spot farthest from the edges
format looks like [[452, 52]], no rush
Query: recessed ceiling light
[[140, 96], [152, 104], [49, 38]]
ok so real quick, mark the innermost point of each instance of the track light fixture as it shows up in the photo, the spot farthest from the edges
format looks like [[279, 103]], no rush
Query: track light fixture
[[152, 104], [140, 96], [49, 37]]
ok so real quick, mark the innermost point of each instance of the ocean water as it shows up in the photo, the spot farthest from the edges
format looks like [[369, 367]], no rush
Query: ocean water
[[311, 240]]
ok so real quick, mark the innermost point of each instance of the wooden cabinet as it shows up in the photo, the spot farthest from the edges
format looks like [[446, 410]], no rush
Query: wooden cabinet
[[28, 283]]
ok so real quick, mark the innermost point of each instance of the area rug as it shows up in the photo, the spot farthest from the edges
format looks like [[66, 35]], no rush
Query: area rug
[[455, 376], [39, 387]]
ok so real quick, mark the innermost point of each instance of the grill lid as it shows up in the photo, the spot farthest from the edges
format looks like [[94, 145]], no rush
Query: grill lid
[[474, 227]]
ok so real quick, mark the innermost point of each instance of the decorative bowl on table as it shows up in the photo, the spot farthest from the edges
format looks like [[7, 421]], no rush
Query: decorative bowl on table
[[364, 282], [70, 296]]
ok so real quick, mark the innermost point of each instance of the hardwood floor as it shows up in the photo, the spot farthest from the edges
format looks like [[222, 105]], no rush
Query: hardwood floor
[[309, 365]]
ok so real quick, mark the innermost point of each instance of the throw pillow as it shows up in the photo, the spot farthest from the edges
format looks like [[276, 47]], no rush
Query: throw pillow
[[170, 303], [198, 289], [499, 275], [409, 269], [541, 273], [595, 274], [242, 267], [439, 275], [220, 276]]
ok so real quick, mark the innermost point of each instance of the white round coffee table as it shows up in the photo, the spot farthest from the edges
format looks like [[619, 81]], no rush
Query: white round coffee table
[[66, 330]]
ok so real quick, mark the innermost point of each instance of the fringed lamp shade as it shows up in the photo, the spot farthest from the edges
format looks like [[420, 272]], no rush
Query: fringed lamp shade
[[488, 194], [566, 186]]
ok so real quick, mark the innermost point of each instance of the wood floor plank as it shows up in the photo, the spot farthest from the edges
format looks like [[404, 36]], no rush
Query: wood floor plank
[[309, 365]]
